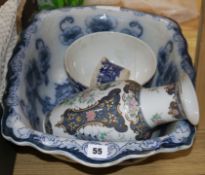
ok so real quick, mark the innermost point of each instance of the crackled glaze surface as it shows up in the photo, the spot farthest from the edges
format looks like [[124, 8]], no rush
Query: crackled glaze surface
[[37, 81]]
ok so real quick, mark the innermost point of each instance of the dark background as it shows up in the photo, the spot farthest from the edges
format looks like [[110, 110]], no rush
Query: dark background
[[7, 155]]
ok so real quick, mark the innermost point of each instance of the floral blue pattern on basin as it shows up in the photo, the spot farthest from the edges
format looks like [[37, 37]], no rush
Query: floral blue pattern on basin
[[70, 31], [37, 81], [100, 23], [135, 29]]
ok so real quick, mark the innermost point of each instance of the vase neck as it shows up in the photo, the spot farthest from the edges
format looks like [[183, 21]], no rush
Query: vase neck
[[161, 105]]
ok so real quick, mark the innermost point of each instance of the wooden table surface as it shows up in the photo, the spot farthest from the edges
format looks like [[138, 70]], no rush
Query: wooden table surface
[[189, 162]]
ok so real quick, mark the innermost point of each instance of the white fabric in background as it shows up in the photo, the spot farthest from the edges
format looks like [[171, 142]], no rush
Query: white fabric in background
[[8, 38]]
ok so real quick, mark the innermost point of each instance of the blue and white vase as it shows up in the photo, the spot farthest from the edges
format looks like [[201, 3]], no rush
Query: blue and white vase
[[123, 111]]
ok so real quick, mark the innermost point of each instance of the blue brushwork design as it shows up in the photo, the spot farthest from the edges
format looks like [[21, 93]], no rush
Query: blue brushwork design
[[33, 80], [171, 75], [108, 72], [69, 31], [173, 26], [163, 56], [14, 77], [89, 137], [36, 76], [182, 47], [167, 70], [66, 90], [30, 110], [186, 62], [100, 23], [62, 91], [43, 60], [27, 36], [135, 29]]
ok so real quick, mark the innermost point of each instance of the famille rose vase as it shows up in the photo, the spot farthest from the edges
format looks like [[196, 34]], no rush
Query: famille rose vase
[[123, 111]]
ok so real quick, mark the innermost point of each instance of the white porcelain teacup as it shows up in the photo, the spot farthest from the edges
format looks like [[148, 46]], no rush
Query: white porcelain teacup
[[83, 56]]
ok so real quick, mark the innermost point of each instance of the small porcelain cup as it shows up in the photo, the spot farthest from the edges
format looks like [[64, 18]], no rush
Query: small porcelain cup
[[131, 53]]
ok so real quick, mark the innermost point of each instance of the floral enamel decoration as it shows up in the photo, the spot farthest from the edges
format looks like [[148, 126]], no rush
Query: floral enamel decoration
[[125, 108]]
